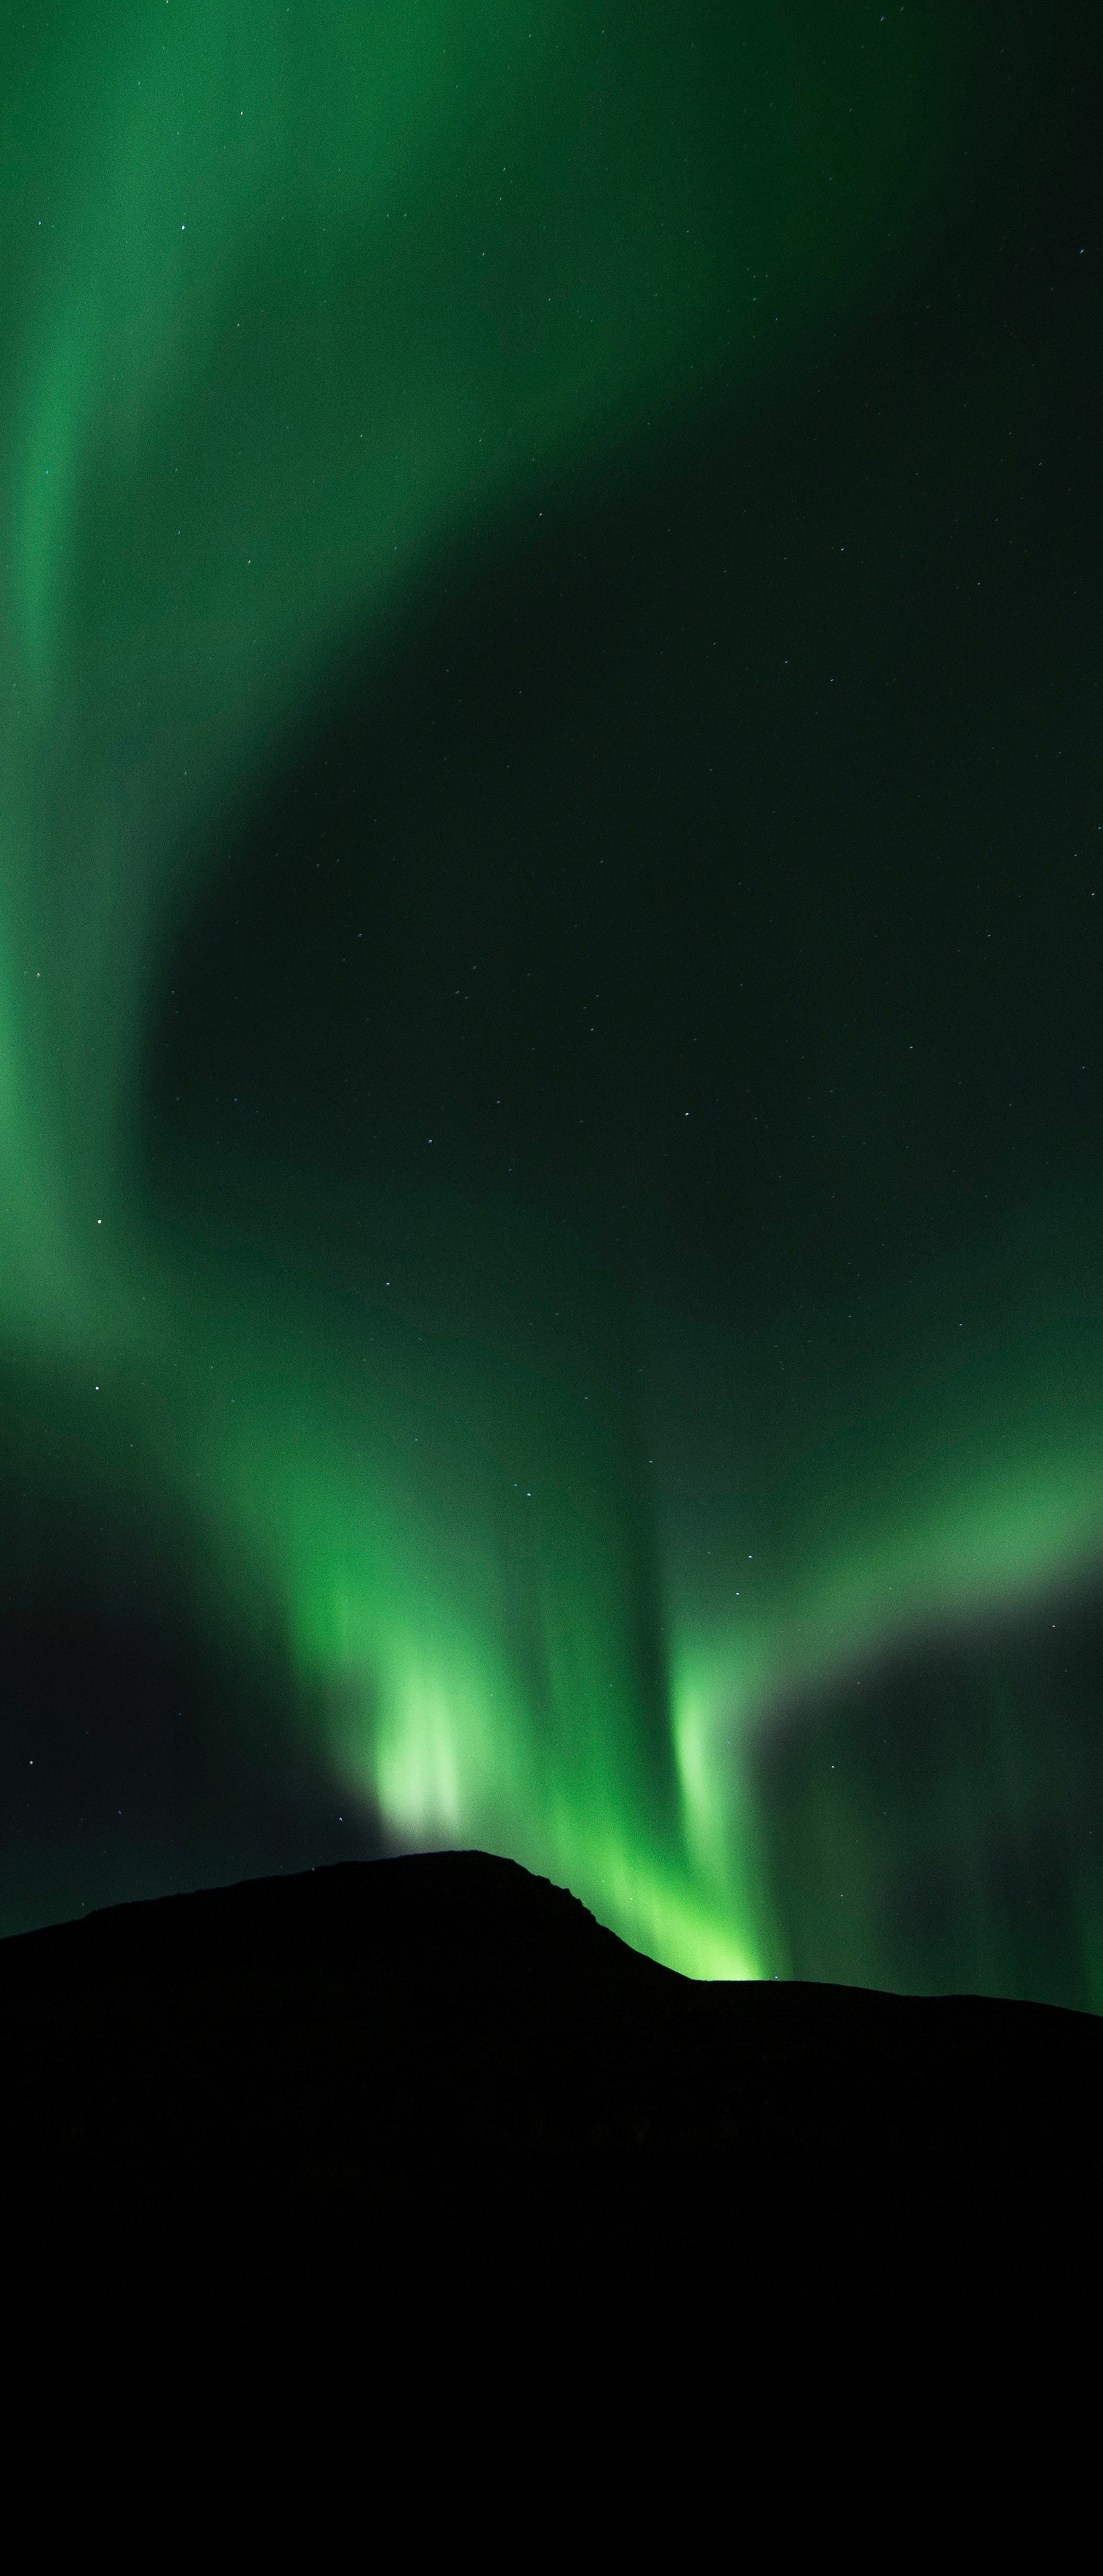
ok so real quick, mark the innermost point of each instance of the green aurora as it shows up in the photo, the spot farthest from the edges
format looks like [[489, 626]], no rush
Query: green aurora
[[334, 338]]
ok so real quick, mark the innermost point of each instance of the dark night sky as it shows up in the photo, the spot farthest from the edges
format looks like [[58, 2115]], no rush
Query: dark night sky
[[628, 1004]]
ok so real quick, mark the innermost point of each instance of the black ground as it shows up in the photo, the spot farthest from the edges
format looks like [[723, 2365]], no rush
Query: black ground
[[403, 2083]]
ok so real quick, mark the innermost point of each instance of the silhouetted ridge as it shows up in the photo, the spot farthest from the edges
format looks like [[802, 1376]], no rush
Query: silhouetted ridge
[[472, 1899], [441, 2069]]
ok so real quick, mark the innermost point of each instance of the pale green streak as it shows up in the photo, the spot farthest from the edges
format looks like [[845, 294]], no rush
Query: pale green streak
[[296, 295]]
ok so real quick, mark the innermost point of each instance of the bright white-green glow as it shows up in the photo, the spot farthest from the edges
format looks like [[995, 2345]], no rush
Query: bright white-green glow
[[295, 295]]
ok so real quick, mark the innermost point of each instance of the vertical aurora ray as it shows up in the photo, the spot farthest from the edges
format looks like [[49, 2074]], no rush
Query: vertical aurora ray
[[304, 305]]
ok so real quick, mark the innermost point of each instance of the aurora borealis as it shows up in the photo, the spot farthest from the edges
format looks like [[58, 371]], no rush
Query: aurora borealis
[[551, 1105]]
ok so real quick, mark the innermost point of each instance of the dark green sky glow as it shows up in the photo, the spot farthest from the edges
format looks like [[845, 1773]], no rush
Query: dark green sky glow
[[551, 1105]]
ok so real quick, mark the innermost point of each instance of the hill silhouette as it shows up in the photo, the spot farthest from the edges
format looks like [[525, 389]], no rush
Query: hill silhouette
[[439, 2075]]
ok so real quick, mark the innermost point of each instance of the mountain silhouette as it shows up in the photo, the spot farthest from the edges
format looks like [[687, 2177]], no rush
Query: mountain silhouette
[[438, 2077]]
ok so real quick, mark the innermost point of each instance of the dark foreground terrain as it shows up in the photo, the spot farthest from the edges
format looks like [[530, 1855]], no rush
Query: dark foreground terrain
[[436, 2080]]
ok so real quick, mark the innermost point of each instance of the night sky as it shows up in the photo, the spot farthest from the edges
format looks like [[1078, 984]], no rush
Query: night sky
[[551, 926]]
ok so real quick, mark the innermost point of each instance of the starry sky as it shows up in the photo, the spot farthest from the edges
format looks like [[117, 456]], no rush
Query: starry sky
[[551, 1099]]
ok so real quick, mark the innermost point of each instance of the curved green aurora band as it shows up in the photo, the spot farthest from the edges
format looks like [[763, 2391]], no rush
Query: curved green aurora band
[[294, 297]]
